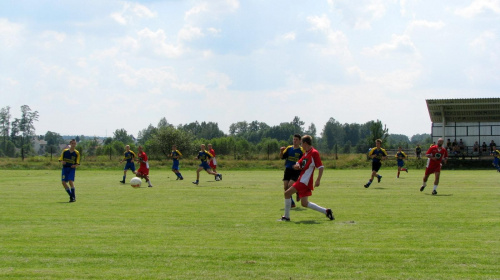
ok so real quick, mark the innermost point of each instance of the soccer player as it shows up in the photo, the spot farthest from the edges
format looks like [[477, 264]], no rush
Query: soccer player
[[176, 155], [496, 158], [129, 157], [304, 185], [436, 156], [70, 159], [291, 155], [213, 161], [376, 154], [418, 151], [204, 156], [401, 156], [143, 171]]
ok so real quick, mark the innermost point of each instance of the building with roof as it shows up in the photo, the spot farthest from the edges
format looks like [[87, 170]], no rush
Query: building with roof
[[475, 119]]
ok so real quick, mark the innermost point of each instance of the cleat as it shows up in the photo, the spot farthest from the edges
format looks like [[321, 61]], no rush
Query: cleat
[[329, 214], [284, 219], [182, 178], [367, 185], [150, 186], [379, 178], [434, 192], [71, 199], [220, 176], [195, 182], [123, 182], [422, 188], [406, 170]]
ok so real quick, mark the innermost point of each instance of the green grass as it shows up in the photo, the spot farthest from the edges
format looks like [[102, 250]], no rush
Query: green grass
[[228, 229]]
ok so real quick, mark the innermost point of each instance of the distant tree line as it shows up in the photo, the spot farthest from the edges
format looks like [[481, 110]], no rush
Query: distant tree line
[[244, 141]]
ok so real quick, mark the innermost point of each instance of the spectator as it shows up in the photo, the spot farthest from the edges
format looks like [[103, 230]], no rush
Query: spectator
[[448, 144], [484, 146], [475, 148], [461, 146], [492, 146]]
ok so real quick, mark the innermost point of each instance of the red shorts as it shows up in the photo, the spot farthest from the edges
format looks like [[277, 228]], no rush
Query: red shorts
[[212, 166], [143, 171], [432, 169], [302, 189]]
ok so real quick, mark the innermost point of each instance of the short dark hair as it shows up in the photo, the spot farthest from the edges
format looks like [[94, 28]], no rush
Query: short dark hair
[[297, 136], [307, 139]]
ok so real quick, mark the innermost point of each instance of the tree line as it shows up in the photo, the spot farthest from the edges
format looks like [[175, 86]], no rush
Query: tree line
[[245, 140]]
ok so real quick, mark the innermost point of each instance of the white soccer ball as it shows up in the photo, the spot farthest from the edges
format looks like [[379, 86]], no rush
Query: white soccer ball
[[135, 182], [217, 178]]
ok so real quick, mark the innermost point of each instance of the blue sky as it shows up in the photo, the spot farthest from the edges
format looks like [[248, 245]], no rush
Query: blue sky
[[91, 67]]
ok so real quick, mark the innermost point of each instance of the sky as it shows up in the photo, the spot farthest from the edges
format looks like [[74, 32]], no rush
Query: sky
[[92, 67]]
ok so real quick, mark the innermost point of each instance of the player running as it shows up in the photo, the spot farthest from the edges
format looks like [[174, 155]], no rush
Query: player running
[[304, 185], [143, 171], [176, 155], [291, 155], [435, 157], [376, 154], [400, 157], [129, 157], [204, 156]]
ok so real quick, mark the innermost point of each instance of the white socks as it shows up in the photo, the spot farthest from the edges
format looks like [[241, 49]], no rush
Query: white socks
[[288, 205], [316, 207]]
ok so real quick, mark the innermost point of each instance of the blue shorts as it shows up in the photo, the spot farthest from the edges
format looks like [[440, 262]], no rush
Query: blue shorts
[[205, 165], [496, 161], [175, 166], [130, 165], [68, 174], [401, 163]]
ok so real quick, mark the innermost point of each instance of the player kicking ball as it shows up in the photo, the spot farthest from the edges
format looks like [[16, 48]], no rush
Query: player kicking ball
[[304, 185]]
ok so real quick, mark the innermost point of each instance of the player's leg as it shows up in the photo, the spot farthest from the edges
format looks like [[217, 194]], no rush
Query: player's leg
[[200, 168], [72, 187], [306, 203], [399, 171], [288, 203], [124, 175], [424, 180], [436, 182]]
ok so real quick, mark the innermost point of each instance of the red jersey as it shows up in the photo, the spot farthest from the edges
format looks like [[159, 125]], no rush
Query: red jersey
[[309, 161], [436, 151], [143, 160]]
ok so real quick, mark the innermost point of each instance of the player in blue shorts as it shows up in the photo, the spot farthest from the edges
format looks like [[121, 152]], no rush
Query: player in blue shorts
[[204, 156], [400, 157], [70, 159], [496, 158], [376, 154], [291, 155], [176, 155], [129, 157]]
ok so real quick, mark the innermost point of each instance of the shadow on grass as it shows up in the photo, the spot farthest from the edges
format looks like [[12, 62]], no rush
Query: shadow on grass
[[307, 222], [439, 194]]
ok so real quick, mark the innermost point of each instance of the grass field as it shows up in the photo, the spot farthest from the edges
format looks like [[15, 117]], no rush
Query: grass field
[[228, 229]]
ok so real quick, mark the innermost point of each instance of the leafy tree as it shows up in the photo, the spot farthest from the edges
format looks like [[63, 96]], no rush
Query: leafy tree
[[333, 134], [147, 133], [122, 136], [298, 124], [160, 144], [311, 130], [421, 139], [377, 131], [5, 125]]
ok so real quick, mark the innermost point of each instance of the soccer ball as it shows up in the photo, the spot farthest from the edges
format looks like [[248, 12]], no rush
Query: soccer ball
[[217, 178], [135, 182]]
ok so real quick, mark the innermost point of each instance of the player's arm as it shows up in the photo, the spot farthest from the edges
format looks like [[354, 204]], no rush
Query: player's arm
[[320, 174], [282, 152]]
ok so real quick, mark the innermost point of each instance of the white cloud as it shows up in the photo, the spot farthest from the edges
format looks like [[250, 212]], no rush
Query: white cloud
[[130, 12], [478, 7], [189, 33], [398, 44], [10, 33], [337, 42], [436, 25], [157, 41], [482, 41], [213, 8]]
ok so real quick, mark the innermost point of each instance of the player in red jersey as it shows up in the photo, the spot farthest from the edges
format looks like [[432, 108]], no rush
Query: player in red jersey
[[213, 162], [143, 171], [437, 155], [305, 185]]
